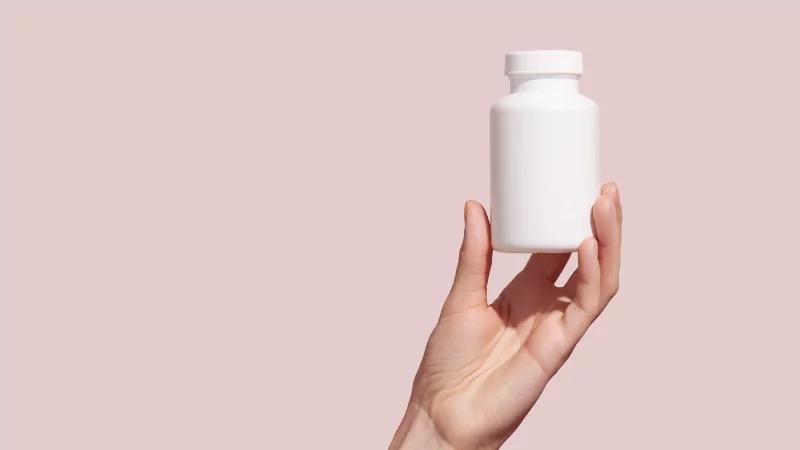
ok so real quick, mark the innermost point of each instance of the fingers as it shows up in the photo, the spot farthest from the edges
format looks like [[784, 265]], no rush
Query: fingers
[[474, 262], [607, 222], [588, 304], [608, 227], [550, 265], [547, 266], [585, 305]]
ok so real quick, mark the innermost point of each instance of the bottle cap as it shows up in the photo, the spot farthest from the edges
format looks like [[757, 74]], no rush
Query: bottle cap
[[544, 62]]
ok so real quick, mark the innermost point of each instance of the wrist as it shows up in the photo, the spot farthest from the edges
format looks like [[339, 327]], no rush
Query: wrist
[[417, 431]]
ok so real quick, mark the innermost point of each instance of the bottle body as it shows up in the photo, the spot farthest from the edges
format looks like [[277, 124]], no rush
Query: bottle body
[[544, 166]]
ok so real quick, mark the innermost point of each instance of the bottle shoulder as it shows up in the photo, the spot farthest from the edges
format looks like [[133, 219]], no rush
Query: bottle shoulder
[[545, 100]]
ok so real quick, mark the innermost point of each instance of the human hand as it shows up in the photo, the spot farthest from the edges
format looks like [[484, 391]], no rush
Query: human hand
[[486, 365]]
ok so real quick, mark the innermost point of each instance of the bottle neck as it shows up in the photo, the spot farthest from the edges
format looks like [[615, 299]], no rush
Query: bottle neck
[[549, 83]]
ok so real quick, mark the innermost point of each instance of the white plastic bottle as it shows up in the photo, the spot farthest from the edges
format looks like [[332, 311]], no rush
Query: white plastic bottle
[[544, 155]]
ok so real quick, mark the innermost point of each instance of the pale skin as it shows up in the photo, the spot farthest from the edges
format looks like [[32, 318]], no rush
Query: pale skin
[[486, 364]]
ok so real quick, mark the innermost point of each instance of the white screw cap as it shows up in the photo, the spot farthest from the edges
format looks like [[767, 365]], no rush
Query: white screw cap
[[544, 62]]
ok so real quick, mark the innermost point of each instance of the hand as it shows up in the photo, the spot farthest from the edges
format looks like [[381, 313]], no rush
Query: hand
[[486, 365]]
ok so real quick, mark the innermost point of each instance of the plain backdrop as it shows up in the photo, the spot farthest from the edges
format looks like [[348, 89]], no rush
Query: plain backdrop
[[235, 231]]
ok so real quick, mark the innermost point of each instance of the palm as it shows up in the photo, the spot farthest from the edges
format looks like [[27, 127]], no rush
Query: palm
[[485, 357], [486, 365]]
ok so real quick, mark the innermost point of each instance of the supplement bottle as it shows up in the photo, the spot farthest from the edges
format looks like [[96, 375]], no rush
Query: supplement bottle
[[544, 155]]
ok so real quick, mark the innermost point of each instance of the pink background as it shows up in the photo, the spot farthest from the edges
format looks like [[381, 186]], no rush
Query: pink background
[[236, 231]]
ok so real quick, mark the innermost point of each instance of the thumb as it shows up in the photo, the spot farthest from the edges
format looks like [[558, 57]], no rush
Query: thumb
[[474, 262]]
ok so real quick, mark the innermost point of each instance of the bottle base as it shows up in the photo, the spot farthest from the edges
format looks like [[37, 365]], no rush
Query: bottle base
[[551, 248]]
